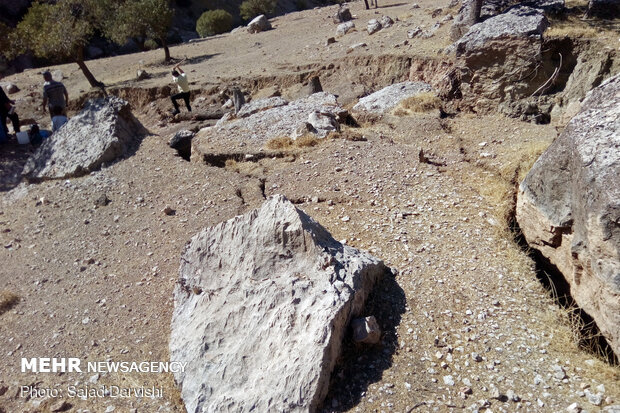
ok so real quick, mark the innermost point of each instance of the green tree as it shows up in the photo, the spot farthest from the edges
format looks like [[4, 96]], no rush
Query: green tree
[[252, 8], [139, 20], [58, 32], [214, 22]]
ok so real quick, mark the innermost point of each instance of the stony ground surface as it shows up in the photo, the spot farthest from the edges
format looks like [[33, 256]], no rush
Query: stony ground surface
[[467, 324]]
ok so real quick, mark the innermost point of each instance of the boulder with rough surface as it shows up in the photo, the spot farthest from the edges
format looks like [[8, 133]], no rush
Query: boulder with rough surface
[[259, 24], [497, 55], [568, 207], [102, 132], [261, 307], [388, 98], [266, 119]]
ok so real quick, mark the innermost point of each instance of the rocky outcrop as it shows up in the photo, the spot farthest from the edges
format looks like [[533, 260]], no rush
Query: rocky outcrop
[[261, 306], [607, 9], [388, 98], [501, 57], [568, 207], [102, 132], [259, 24], [267, 119]]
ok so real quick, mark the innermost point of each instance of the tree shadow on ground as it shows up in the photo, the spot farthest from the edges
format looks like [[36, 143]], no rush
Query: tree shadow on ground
[[362, 365], [13, 157]]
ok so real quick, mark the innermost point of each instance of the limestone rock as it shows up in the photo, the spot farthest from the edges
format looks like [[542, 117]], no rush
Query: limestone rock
[[607, 9], [261, 330], [373, 26], [389, 97], [520, 22], [490, 52], [463, 20], [344, 28], [256, 129], [260, 105], [323, 121], [102, 132], [386, 21], [182, 142], [568, 207], [343, 15], [366, 330], [259, 24]]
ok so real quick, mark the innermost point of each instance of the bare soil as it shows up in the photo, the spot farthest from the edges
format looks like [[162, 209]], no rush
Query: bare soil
[[467, 324]]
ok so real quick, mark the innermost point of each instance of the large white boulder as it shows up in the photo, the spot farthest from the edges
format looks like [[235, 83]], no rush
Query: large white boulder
[[102, 132], [389, 97], [261, 307], [568, 207]]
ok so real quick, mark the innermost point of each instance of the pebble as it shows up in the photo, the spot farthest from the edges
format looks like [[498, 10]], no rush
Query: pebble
[[448, 380]]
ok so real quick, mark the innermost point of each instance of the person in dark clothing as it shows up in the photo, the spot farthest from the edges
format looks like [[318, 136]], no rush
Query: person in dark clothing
[[54, 94], [7, 110]]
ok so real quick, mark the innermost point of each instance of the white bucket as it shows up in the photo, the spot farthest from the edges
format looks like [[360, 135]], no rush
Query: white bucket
[[22, 138]]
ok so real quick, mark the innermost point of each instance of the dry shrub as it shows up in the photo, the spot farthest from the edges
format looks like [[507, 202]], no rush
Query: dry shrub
[[279, 143], [7, 300], [306, 141], [572, 31], [423, 102]]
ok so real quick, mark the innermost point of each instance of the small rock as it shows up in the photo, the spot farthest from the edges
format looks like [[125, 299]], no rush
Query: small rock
[[142, 74], [110, 409], [366, 330], [448, 380], [330, 40], [373, 26], [558, 372], [574, 408], [169, 211]]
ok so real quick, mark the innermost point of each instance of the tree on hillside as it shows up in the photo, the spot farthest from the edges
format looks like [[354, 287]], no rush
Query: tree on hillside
[[252, 8], [139, 20], [58, 32]]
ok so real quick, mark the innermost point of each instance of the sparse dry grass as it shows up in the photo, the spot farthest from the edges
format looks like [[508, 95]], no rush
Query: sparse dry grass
[[8, 300], [289, 144], [424, 102], [279, 143], [569, 29], [245, 168]]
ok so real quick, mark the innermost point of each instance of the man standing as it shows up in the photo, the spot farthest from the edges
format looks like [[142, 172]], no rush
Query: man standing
[[54, 94], [7, 110], [180, 78]]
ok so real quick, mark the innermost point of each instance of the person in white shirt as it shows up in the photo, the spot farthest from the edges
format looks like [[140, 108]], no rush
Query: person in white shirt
[[180, 78]]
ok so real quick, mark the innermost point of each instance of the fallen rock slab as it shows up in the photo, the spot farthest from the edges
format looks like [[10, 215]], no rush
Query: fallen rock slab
[[102, 132], [261, 307], [495, 56], [568, 207], [266, 119], [388, 98]]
